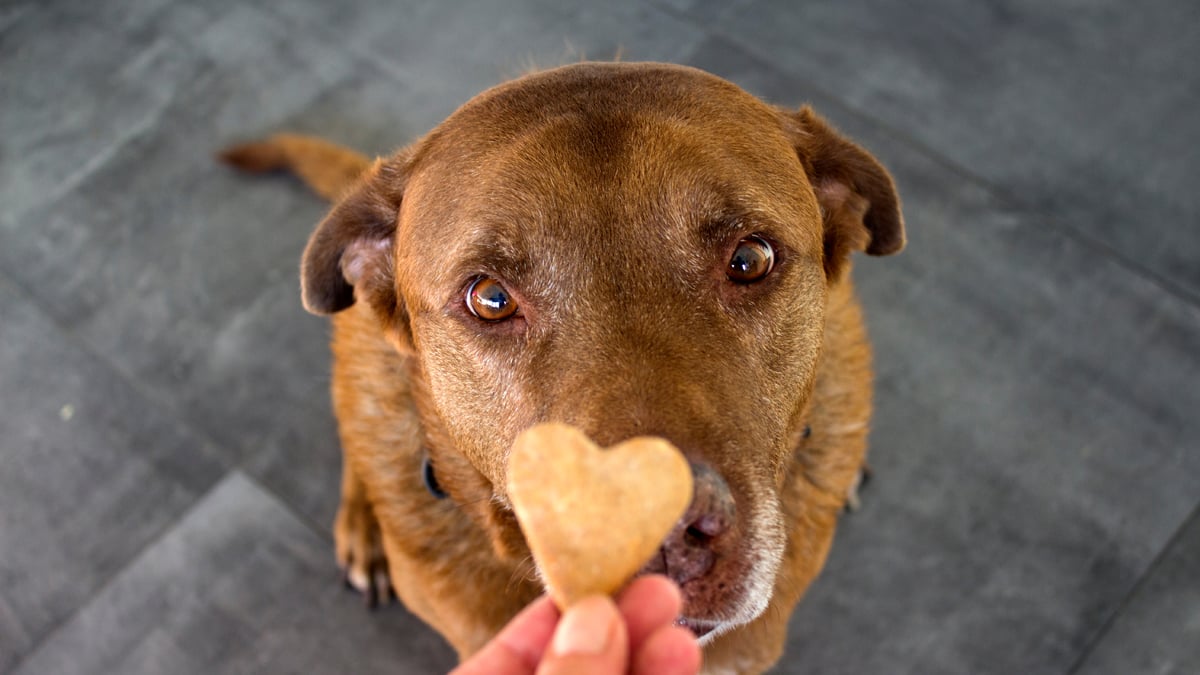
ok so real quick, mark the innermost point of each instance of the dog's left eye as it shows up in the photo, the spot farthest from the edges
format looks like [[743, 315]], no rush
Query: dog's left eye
[[489, 300], [751, 260]]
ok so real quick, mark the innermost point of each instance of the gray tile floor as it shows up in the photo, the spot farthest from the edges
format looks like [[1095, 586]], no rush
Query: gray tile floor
[[168, 465]]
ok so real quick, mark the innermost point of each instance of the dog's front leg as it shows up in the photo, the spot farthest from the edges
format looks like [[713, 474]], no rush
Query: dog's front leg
[[358, 542]]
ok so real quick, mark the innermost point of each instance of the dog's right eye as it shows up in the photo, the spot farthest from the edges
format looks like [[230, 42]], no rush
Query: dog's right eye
[[488, 300], [752, 260]]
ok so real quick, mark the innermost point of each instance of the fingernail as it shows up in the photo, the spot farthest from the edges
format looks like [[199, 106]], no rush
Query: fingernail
[[585, 628]]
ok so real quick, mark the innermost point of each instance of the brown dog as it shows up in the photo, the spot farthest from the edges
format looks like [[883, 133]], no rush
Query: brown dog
[[630, 248]]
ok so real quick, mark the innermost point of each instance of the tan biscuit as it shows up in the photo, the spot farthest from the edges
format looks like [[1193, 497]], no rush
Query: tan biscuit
[[594, 517]]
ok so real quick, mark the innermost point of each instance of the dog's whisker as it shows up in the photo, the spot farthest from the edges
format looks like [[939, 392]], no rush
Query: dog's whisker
[[525, 570]]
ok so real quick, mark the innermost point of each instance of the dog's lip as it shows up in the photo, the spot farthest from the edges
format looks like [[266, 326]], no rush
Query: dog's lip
[[699, 627]]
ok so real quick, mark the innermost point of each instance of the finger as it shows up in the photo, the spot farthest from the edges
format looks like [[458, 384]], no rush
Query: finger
[[518, 648], [648, 603], [589, 640], [670, 650]]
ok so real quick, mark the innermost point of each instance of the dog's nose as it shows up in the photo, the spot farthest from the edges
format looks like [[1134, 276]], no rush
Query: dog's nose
[[688, 551]]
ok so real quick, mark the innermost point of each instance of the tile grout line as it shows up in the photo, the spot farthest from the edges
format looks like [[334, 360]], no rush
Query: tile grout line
[[322, 531], [16, 16], [153, 541], [1134, 591], [1001, 194], [186, 426], [389, 68], [1006, 199], [240, 464], [141, 550], [78, 341], [169, 410], [97, 161], [75, 340]]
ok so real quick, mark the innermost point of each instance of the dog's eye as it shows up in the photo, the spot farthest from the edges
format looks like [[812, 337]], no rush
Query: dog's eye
[[751, 260], [488, 300]]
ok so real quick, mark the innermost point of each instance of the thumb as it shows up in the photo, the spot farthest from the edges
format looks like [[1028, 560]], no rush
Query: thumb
[[589, 640]]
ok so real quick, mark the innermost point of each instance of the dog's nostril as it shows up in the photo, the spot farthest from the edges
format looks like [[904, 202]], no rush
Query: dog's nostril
[[693, 536], [704, 529]]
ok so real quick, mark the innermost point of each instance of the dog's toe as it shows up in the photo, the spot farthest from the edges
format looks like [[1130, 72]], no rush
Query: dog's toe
[[360, 554]]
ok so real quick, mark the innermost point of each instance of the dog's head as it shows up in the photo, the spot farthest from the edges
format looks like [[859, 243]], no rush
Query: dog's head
[[633, 249]]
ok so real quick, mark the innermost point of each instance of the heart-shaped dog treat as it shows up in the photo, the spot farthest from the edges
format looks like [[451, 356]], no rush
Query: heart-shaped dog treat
[[594, 517]]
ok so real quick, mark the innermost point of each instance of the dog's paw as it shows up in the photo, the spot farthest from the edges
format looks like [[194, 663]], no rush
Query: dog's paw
[[360, 554], [853, 498]]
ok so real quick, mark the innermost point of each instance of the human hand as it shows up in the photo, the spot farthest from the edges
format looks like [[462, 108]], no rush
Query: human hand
[[635, 635]]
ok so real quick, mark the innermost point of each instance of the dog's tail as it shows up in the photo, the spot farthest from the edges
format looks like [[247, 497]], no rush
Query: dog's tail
[[325, 167]]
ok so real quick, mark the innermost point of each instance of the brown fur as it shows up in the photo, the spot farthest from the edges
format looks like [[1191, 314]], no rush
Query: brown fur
[[606, 197]]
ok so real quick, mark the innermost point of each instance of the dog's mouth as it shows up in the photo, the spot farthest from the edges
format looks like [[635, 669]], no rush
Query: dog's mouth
[[714, 594], [700, 613], [701, 628], [724, 560], [726, 574]]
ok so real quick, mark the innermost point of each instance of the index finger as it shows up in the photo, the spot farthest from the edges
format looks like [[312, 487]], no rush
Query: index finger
[[649, 603]]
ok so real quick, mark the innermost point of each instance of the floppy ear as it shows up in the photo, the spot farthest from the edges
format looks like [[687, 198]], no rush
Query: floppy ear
[[858, 199], [349, 255]]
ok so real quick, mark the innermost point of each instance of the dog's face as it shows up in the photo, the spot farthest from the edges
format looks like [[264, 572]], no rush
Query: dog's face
[[635, 250]]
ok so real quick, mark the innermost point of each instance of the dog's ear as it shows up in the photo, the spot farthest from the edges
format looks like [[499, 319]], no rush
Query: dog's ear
[[858, 199], [349, 255]]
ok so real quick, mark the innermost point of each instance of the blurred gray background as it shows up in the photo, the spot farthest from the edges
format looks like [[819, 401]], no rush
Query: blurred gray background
[[168, 461]]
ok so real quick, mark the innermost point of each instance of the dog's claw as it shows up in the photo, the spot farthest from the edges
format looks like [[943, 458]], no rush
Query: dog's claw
[[360, 554], [853, 500], [376, 589]]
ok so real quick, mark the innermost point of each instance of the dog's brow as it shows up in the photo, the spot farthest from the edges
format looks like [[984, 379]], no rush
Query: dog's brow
[[492, 255], [722, 227], [727, 218]]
